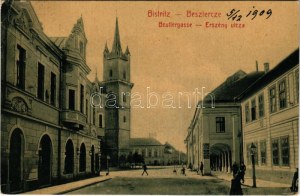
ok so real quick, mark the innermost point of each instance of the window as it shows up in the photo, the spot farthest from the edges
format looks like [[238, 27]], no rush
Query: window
[[100, 121], [21, 65], [81, 47], [110, 73], [124, 97], [53, 89], [155, 153], [273, 99], [253, 109], [220, 124], [94, 116], [143, 152], [247, 113], [282, 94], [275, 152], [263, 154], [124, 118], [285, 151], [261, 107], [124, 75], [87, 110], [297, 85], [41, 75], [71, 99], [149, 153], [81, 98]]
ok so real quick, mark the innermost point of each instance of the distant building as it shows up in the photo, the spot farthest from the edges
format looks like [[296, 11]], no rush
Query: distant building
[[214, 135], [155, 153], [49, 131], [270, 120]]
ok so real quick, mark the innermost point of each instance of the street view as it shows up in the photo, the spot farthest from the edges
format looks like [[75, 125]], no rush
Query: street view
[[164, 98]]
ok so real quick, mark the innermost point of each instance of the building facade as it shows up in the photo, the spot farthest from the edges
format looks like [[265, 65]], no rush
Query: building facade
[[214, 135], [156, 153], [49, 131], [270, 120]]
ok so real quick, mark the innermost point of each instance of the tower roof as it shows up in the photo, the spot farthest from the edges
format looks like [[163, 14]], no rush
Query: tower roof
[[116, 47]]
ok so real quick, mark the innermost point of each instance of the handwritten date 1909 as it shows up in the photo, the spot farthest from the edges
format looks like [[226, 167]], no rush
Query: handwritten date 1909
[[235, 15]]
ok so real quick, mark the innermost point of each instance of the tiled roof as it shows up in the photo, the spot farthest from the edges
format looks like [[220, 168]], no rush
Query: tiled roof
[[59, 41], [144, 142], [233, 86], [285, 65]]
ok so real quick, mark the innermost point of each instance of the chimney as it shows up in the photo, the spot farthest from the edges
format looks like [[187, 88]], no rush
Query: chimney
[[266, 66], [256, 66]]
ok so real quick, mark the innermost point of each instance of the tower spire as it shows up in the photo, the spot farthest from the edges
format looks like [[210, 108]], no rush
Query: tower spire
[[96, 75], [106, 48], [116, 47]]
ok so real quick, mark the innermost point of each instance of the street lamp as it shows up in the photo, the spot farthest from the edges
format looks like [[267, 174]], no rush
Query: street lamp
[[253, 149], [107, 158]]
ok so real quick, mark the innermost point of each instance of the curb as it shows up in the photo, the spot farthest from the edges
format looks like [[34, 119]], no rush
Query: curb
[[77, 188]]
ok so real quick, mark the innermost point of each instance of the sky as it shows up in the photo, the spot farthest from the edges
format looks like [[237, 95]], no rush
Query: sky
[[171, 60]]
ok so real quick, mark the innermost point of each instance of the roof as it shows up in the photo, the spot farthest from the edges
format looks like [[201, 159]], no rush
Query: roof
[[285, 65], [59, 41], [233, 86], [144, 142]]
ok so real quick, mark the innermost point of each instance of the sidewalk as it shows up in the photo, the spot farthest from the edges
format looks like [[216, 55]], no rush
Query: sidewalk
[[249, 181], [63, 188]]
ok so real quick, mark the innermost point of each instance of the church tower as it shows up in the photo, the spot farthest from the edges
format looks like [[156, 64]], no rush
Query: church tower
[[116, 79]]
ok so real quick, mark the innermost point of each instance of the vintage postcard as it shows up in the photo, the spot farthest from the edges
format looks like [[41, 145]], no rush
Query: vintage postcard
[[150, 97]]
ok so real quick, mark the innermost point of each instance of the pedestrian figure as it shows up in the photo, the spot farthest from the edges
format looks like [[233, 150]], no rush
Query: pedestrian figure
[[201, 168], [145, 169], [183, 170], [243, 170], [294, 187], [235, 169], [236, 187]]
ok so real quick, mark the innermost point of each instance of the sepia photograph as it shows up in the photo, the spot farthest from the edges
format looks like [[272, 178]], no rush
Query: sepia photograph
[[149, 97]]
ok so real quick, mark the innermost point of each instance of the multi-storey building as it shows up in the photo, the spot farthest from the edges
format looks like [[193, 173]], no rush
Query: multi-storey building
[[49, 131], [214, 135], [270, 120]]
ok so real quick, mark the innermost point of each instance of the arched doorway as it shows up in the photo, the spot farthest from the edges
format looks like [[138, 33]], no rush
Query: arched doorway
[[16, 160], [45, 157], [69, 158], [82, 158], [93, 159]]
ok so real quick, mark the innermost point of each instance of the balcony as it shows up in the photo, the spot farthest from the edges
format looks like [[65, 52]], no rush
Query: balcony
[[73, 119]]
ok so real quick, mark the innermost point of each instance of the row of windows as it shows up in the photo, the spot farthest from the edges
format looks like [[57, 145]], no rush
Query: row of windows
[[111, 74], [251, 111], [148, 154], [21, 78], [279, 148]]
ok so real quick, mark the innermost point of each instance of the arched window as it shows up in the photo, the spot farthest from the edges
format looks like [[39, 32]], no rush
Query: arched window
[[110, 73], [69, 159], [124, 75], [82, 158]]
